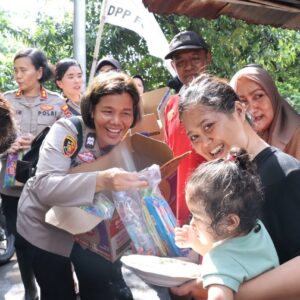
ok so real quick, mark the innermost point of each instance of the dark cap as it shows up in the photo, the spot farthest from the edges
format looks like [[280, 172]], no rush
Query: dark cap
[[186, 40], [108, 61]]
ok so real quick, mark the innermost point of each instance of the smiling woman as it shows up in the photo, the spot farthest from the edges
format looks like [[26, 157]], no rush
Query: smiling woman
[[215, 121], [109, 107], [112, 117]]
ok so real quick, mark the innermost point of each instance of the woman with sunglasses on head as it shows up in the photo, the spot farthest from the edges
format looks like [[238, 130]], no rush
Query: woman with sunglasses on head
[[215, 120]]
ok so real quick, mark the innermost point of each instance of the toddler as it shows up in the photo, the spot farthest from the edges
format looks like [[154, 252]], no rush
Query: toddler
[[225, 197]]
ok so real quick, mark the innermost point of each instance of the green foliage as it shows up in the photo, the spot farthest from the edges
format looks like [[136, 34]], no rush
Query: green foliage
[[9, 43], [233, 45]]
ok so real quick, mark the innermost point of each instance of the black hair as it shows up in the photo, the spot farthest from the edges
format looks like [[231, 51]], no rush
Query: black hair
[[7, 125], [110, 83], [210, 91], [39, 60], [62, 67], [175, 84], [108, 61], [227, 186], [139, 77]]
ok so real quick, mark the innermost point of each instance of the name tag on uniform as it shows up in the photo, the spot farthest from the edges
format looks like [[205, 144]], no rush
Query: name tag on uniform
[[90, 140], [86, 156]]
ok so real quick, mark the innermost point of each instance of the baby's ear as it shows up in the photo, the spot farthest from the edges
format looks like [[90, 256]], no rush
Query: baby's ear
[[233, 221]]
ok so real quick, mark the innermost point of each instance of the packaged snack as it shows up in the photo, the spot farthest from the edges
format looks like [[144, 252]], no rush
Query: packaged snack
[[147, 217], [10, 170]]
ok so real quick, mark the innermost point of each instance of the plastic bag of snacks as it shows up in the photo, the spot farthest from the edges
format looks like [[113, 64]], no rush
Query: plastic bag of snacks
[[147, 217], [102, 207]]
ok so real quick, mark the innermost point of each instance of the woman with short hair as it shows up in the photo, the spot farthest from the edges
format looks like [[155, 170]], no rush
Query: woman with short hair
[[109, 107]]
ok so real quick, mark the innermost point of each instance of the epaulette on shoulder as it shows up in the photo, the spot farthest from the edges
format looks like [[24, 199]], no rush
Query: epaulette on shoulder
[[12, 92], [54, 94]]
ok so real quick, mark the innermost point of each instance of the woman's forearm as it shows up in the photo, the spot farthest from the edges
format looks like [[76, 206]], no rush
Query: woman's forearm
[[280, 283]]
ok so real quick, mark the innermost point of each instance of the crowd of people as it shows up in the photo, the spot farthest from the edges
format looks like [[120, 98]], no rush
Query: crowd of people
[[237, 191], [211, 113]]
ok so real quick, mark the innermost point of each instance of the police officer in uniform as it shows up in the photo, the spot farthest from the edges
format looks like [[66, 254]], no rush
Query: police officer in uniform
[[35, 108], [109, 108], [122, 292], [69, 78]]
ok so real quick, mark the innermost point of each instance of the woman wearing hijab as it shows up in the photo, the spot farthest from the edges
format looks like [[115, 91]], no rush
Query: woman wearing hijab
[[272, 116]]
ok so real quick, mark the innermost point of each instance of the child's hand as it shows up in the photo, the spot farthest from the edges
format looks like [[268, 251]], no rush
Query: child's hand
[[185, 237]]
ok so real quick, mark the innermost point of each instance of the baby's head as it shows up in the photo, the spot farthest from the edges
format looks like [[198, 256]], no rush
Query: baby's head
[[225, 196]]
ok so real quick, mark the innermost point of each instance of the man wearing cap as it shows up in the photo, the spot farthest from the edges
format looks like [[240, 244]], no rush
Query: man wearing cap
[[107, 64], [190, 56]]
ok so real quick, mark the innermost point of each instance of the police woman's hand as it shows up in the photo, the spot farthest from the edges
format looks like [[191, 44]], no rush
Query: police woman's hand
[[22, 142], [116, 179], [15, 147], [26, 140]]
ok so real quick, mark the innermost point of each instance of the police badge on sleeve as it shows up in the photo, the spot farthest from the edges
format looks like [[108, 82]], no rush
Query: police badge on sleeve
[[69, 145]]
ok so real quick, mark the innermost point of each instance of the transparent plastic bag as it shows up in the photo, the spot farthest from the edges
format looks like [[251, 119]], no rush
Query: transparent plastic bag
[[147, 217], [103, 207]]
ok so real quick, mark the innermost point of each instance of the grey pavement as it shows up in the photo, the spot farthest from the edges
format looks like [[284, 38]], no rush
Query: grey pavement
[[11, 287], [143, 291]]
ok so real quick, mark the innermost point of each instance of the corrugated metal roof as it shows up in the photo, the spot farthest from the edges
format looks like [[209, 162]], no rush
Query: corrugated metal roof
[[279, 13]]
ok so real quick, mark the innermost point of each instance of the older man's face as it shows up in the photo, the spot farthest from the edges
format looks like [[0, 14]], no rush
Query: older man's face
[[190, 63]]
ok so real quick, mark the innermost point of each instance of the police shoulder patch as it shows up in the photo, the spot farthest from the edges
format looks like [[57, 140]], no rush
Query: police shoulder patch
[[69, 145]]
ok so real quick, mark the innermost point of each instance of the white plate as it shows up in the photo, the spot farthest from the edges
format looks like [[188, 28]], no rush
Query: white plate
[[162, 271]]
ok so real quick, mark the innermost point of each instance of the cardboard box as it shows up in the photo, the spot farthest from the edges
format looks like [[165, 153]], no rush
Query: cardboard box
[[109, 238], [149, 126], [152, 100]]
